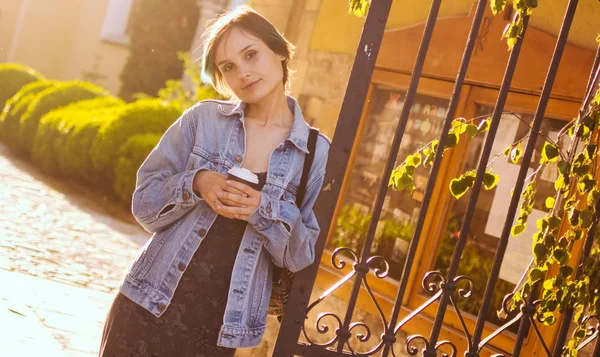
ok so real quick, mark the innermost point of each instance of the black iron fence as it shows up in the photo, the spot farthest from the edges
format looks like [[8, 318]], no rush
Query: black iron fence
[[442, 287]]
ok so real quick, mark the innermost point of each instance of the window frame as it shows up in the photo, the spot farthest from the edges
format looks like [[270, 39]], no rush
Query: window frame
[[116, 22]]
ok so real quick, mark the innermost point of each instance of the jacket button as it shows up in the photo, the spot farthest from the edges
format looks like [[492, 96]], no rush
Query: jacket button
[[202, 232], [238, 159], [186, 196], [161, 307], [181, 266], [268, 208]]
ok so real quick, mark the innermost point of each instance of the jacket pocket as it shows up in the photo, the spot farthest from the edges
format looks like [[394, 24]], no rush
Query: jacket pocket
[[149, 252]]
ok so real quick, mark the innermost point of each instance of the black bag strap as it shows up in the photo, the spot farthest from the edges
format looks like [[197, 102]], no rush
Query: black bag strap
[[308, 160]]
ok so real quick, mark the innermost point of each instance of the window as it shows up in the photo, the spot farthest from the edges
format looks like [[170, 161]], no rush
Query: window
[[116, 22], [490, 214], [400, 209]]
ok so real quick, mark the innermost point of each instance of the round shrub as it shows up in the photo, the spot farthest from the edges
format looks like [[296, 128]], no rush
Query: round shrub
[[141, 117], [49, 99], [75, 158], [131, 156], [13, 77], [10, 119], [56, 128]]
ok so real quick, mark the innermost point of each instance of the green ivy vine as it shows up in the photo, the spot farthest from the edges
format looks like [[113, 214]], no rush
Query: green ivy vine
[[565, 283], [577, 192]]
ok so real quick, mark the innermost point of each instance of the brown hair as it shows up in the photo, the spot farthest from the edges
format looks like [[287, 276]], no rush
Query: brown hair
[[251, 22]]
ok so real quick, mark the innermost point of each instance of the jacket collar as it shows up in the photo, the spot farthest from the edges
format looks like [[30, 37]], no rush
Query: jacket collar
[[299, 133]]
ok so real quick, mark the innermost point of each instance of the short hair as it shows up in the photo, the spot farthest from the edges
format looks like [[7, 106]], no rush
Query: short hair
[[248, 20]]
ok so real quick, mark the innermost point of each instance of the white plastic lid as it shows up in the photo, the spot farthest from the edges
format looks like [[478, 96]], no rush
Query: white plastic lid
[[244, 174]]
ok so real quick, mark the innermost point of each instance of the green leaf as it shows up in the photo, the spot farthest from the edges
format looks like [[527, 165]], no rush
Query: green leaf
[[554, 222], [566, 270], [560, 255], [574, 217], [518, 229], [586, 218], [458, 187], [507, 151], [548, 284], [536, 274], [471, 130], [549, 202], [590, 150], [586, 184], [452, 140], [415, 159], [549, 153], [359, 8], [490, 180], [564, 167], [497, 6], [539, 251]]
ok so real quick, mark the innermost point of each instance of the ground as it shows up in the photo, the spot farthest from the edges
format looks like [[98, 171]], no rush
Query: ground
[[63, 251]]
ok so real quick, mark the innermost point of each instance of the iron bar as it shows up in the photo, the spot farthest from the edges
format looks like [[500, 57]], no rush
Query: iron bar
[[471, 40], [412, 89], [339, 154], [537, 121], [460, 244]]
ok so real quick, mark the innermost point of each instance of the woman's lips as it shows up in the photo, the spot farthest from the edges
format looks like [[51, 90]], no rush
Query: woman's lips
[[251, 85]]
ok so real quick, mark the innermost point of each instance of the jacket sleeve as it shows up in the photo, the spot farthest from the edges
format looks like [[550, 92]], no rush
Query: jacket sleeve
[[163, 190], [291, 232]]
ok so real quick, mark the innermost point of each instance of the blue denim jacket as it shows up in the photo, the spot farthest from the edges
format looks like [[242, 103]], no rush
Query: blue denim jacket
[[211, 136]]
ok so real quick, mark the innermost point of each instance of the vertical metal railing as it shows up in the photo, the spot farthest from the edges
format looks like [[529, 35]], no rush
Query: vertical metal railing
[[339, 155], [443, 288]]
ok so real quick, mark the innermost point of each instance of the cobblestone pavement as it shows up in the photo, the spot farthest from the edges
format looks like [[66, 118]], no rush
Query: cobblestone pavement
[[49, 232], [66, 249]]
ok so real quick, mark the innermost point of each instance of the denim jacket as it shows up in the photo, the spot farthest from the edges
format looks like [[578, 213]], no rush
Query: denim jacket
[[211, 136]]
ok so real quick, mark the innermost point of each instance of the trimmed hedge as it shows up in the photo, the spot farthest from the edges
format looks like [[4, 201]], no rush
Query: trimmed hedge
[[10, 119], [141, 117], [13, 77], [64, 137], [132, 155], [49, 99]]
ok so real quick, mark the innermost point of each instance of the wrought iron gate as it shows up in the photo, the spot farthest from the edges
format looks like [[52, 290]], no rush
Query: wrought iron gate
[[441, 286]]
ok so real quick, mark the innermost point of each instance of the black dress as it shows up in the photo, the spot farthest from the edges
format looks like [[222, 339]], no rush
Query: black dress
[[191, 324]]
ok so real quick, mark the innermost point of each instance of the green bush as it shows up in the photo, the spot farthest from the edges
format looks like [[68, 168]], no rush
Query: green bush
[[132, 155], [49, 99], [60, 126], [141, 117], [10, 119], [13, 77], [75, 158]]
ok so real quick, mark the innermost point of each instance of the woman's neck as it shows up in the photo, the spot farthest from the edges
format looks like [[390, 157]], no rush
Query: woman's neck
[[273, 110]]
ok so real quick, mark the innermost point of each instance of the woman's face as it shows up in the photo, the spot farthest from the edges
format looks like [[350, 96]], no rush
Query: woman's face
[[248, 66]]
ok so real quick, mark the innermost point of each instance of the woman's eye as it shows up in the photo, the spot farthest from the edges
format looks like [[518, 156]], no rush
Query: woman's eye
[[251, 54], [228, 67]]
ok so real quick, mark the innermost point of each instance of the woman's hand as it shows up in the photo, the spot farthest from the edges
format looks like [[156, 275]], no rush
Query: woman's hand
[[208, 185], [243, 204]]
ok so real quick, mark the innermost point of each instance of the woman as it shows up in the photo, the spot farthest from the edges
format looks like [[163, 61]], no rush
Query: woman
[[201, 285]]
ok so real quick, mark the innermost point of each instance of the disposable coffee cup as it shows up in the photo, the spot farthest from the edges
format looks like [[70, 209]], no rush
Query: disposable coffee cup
[[244, 176]]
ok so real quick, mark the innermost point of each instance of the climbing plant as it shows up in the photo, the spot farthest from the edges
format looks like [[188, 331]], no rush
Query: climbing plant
[[565, 283]]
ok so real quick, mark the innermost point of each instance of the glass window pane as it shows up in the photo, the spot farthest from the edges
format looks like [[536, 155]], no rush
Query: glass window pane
[[400, 210], [491, 210]]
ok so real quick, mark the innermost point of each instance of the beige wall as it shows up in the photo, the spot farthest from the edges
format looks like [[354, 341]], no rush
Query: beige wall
[[91, 58], [9, 11], [61, 39]]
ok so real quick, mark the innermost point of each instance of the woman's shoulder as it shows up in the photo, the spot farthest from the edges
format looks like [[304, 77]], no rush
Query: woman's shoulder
[[214, 108]]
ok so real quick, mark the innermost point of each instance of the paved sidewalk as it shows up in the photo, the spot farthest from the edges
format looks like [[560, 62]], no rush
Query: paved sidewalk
[[62, 256], [45, 318]]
